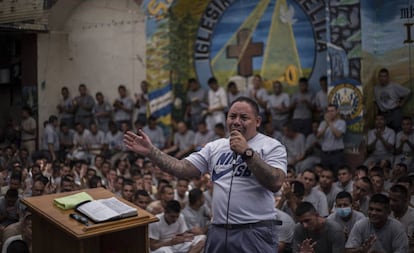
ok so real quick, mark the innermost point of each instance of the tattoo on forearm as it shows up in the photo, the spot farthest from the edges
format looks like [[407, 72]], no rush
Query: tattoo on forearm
[[268, 176], [169, 164]]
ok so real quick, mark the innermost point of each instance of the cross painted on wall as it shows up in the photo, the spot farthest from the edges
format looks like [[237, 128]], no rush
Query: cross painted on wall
[[244, 51]]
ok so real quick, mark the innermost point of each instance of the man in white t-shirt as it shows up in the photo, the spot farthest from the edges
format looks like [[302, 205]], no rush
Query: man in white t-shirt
[[404, 144], [331, 133], [343, 213], [170, 234], [378, 232], [390, 97], [312, 195], [278, 104], [381, 140], [247, 165], [400, 209], [217, 104]]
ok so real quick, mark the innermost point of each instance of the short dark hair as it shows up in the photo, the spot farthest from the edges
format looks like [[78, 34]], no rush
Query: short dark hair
[[212, 80], [345, 167], [141, 193], [327, 169], [363, 168], [172, 206], [249, 101], [94, 181], [399, 189], [291, 169], [12, 193], [192, 80], [303, 80], [40, 178], [313, 172], [298, 188], [379, 171], [18, 246], [194, 195], [231, 84], [162, 190], [152, 117], [333, 105], [344, 195], [304, 207], [367, 181], [219, 126], [384, 70], [403, 165], [407, 118], [380, 198], [183, 179], [16, 175], [27, 109], [127, 181], [52, 118], [323, 78], [405, 179], [67, 178]]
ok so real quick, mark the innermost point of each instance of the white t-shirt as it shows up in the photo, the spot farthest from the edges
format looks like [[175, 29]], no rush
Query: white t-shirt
[[161, 231], [276, 101], [349, 224], [286, 231], [405, 148], [407, 220], [328, 141], [388, 135], [120, 114], [390, 238], [250, 201], [319, 201], [387, 97]]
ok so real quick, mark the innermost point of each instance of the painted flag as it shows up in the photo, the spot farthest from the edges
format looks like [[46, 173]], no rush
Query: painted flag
[[161, 103]]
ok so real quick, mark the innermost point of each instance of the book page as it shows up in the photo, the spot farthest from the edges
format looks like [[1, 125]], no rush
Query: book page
[[97, 211], [121, 208]]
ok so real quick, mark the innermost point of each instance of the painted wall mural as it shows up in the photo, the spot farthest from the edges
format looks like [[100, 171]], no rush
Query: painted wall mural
[[346, 40]]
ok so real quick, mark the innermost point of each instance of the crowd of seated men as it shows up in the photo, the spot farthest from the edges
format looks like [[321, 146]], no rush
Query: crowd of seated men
[[366, 208]]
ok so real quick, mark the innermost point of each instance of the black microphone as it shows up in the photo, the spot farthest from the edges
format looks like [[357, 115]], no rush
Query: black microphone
[[233, 162]]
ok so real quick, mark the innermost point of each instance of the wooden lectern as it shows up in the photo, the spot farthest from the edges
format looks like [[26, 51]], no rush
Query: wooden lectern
[[54, 231]]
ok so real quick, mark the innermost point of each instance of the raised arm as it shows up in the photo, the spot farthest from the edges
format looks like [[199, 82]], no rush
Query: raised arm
[[268, 176], [141, 144]]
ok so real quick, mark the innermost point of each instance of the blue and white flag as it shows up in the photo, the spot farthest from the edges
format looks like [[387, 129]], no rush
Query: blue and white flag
[[161, 101]]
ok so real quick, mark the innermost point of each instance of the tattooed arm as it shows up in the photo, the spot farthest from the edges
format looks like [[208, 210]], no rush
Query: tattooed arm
[[271, 178], [179, 168], [268, 176], [141, 144]]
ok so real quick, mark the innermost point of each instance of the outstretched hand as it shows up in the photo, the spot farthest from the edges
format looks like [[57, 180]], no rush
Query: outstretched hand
[[139, 143], [307, 246], [368, 243]]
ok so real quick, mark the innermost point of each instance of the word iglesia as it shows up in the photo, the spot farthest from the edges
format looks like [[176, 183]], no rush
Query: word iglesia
[[210, 17], [407, 13]]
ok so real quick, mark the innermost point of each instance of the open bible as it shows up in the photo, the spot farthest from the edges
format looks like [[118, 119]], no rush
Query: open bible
[[106, 209]]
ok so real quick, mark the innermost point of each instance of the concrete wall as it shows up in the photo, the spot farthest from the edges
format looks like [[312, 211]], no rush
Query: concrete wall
[[101, 44]]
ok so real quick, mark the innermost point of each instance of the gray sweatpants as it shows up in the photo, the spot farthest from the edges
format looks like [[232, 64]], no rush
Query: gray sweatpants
[[247, 240]]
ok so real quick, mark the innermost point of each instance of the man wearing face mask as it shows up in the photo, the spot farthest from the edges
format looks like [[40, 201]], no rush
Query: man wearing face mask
[[314, 233], [343, 213]]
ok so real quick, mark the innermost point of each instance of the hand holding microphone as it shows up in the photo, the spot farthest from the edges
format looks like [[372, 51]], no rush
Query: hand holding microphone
[[237, 143]]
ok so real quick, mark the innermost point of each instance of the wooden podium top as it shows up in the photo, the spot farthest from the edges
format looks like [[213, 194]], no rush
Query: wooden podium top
[[44, 207]]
